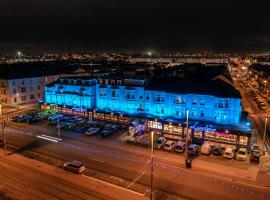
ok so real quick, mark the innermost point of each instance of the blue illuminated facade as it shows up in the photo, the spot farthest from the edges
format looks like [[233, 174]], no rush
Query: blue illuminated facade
[[215, 102]]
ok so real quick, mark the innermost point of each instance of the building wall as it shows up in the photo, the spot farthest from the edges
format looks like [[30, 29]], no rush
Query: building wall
[[135, 100], [25, 90]]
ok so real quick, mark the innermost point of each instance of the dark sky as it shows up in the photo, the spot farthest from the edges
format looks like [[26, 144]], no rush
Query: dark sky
[[134, 25]]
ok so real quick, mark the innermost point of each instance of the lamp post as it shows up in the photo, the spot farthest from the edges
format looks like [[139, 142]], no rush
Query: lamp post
[[264, 133], [2, 129], [17, 96], [265, 86], [152, 164]]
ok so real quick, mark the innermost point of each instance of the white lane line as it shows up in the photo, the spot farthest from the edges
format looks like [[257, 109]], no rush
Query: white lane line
[[54, 138], [119, 187], [45, 138]]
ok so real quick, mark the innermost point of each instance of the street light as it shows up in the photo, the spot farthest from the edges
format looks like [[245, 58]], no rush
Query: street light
[[264, 133], [19, 54], [265, 86], [152, 164]]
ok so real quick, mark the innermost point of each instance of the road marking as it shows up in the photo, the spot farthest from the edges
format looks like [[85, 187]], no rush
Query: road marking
[[119, 187], [95, 159], [45, 138], [54, 138]]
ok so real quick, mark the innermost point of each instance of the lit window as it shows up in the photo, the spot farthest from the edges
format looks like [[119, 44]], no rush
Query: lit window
[[202, 101], [194, 100], [226, 103], [220, 103], [202, 113]]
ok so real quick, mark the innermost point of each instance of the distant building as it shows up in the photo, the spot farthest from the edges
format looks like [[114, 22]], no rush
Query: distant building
[[207, 100]]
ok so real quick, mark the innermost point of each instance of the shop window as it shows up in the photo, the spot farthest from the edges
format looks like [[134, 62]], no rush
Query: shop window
[[243, 140]]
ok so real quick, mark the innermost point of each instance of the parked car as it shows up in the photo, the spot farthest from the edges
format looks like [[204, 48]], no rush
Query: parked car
[[115, 127], [63, 124], [92, 131], [241, 154], [255, 156], [228, 153], [74, 166], [216, 150], [70, 125], [105, 133], [24, 118], [34, 120], [169, 145], [206, 149], [254, 147], [92, 123], [180, 147], [193, 149], [80, 121], [16, 118], [159, 143]]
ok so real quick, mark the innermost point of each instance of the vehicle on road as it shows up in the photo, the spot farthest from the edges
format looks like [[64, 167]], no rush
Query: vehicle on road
[[228, 153], [180, 147], [193, 149], [159, 143], [92, 131], [241, 154], [216, 150], [169, 145], [74, 166], [206, 149]]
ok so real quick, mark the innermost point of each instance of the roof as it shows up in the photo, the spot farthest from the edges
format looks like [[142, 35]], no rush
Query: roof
[[216, 87]]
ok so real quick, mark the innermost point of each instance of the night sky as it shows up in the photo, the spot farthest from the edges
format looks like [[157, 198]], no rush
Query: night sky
[[134, 25]]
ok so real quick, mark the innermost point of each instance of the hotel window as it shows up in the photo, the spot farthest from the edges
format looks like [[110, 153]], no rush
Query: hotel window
[[226, 103], [193, 113], [102, 93], [32, 97], [159, 98], [194, 100], [31, 88], [128, 95], [22, 82], [202, 101], [14, 91], [141, 95], [178, 100], [13, 82], [15, 100], [23, 98], [162, 110], [202, 113], [38, 87], [220, 103], [23, 89], [132, 96]]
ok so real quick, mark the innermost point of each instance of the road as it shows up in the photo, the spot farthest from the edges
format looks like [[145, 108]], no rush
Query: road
[[169, 179], [256, 115], [23, 178]]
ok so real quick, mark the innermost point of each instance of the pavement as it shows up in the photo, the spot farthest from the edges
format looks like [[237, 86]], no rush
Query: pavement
[[24, 178]]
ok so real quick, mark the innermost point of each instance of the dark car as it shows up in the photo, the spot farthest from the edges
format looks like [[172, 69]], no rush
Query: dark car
[[105, 133], [217, 151], [255, 156], [193, 149]]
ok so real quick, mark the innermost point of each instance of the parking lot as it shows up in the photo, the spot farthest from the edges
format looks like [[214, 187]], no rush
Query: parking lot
[[101, 130]]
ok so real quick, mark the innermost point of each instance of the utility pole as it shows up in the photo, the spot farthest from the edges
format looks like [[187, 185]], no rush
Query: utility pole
[[2, 129], [152, 165]]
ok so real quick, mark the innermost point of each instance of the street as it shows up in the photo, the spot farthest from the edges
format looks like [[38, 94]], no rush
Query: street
[[119, 163]]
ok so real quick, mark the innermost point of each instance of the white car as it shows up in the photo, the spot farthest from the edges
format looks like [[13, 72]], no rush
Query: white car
[[74, 166], [241, 154], [169, 145], [92, 131], [206, 149], [180, 147], [228, 153]]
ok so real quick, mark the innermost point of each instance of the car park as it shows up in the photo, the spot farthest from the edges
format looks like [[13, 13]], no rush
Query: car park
[[193, 149], [241, 154], [169, 145], [228, 153], [206, 149], [180, 147], [159, 143], [74, 166], [92, 131]]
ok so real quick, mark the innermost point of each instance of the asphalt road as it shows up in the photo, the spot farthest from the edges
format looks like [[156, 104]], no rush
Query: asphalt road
[[257, 116], [168, 178]]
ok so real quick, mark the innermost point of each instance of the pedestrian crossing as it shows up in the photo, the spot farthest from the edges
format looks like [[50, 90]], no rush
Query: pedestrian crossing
[[49, 138]]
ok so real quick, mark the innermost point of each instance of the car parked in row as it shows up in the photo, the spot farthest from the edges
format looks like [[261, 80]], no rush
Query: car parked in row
[[180, 147], [169, 145], [92, 131], [160, 143], [228, 153], [206, 149], [216, 150], [241, 154], [193, 149]]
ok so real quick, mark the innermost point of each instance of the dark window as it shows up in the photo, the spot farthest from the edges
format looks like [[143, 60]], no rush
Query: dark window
[[23, 89], [14, 91], [32, 97]]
